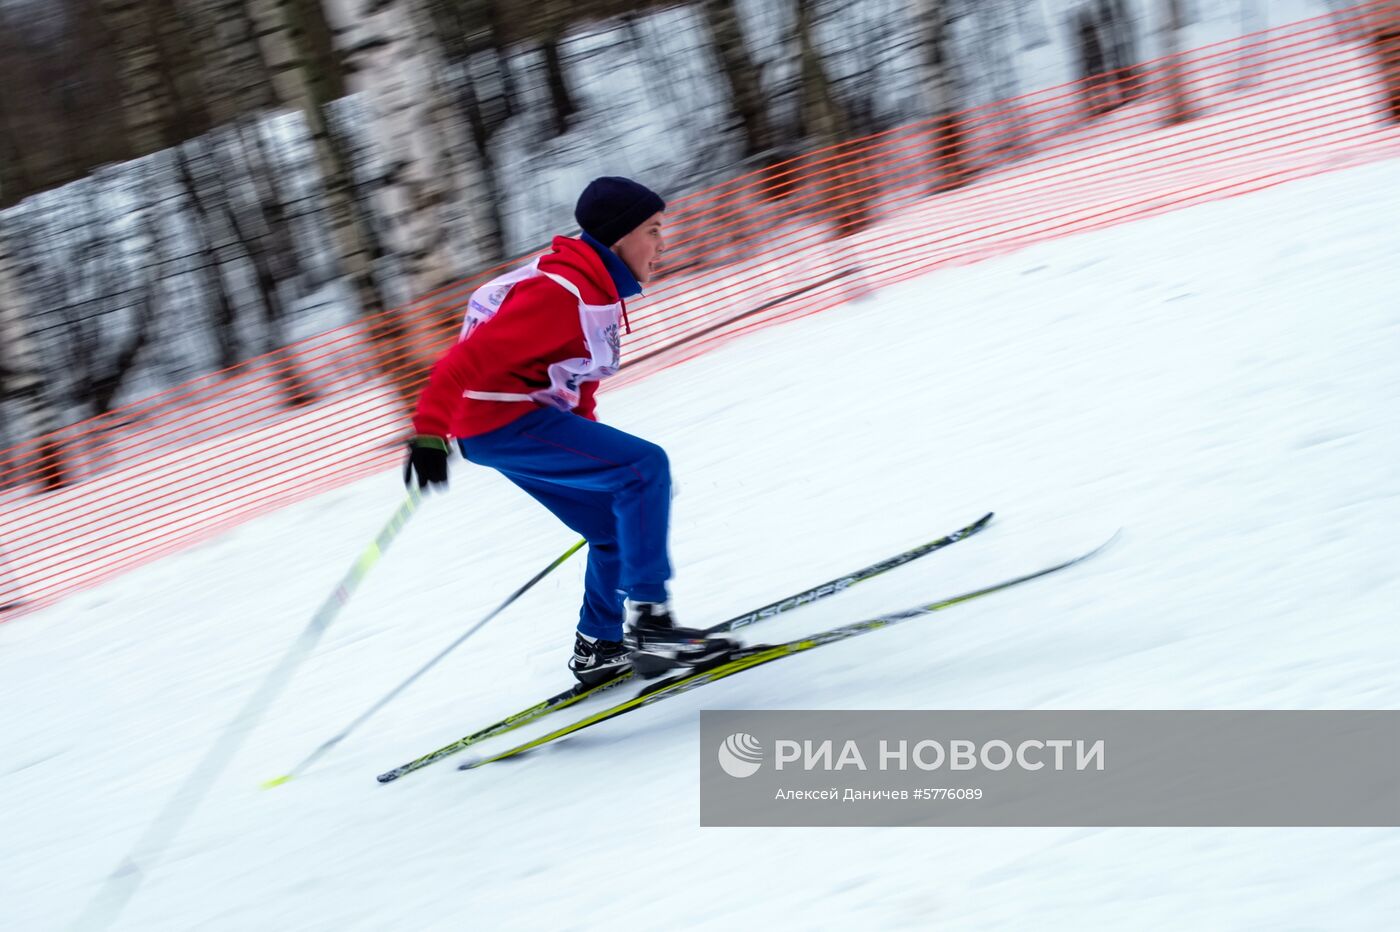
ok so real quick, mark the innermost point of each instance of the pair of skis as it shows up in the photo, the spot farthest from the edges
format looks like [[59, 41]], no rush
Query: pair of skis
[[744, 659], [579, 693]]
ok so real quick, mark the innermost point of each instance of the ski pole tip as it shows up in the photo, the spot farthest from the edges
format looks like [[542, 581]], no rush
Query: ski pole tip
[[276, 781]]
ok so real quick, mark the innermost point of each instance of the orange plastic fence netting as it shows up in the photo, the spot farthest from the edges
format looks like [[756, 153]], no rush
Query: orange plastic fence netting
[[95, 498]]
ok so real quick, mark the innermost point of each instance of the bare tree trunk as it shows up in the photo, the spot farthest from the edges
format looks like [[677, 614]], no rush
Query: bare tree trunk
[[555, 23], [1093, 64], [237, 81], [1117, 27], [496, 20], [248, 85], [101, 355], [826, 123], [481, 27], [941, 95], [22, 373], [239, 85], [1384, 27], [306, 80], [190, 119], [143, 95], [84, 340], [823, 119], [222, 171], [1178, 98], [430, 191], [270, 196], [160, 113], [11, 596], [210, 271], [458, 42], [106, 377], [741, 76], [263, 252]]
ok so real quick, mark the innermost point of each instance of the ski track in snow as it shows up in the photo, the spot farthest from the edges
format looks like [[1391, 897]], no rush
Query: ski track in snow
[[1217, 381]]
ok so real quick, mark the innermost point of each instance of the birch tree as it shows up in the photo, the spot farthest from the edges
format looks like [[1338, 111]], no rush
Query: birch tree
[[236, 81], [238, 89], [303, 77], [241, 89], [429, 186], [939, 80]]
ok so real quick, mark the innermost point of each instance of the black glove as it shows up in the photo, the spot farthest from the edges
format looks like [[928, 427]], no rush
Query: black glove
[[427, 459]]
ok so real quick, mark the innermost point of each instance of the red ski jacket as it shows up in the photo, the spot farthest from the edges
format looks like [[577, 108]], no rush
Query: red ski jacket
[[544, 334]]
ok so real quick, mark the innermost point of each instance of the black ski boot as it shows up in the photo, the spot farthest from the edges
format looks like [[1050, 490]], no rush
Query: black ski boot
[[658, 646], [596, 661]]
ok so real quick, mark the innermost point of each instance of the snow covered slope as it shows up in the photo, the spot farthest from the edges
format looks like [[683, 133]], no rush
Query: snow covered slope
[[1217, 381]]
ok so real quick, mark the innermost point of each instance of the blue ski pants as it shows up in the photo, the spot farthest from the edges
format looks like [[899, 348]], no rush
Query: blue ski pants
[[611, 487]]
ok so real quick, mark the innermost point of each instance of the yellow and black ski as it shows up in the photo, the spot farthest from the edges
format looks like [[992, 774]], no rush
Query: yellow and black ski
[[749, 657], [577, 694]]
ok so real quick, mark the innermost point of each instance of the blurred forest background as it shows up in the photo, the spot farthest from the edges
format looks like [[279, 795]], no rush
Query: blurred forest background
[[185, 184]]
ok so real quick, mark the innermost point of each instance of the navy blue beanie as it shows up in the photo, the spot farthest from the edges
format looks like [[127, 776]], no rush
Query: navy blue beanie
[[610, 208]]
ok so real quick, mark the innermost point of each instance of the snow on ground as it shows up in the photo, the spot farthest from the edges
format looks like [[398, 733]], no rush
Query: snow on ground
[[1217, 381]]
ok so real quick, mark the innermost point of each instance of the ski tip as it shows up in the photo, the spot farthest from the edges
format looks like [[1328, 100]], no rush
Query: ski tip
[[1112, 539], [276, 781], [471, 764], [388, 777]]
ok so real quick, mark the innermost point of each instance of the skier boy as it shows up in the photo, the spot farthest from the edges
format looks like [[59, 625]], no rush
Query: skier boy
[[516, 392]]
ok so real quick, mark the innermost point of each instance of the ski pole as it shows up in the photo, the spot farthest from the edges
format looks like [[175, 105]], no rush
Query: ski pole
[[121, 885], [367, 713]]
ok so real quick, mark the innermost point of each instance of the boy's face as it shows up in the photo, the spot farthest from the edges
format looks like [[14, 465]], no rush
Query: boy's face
[[642, 247]]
